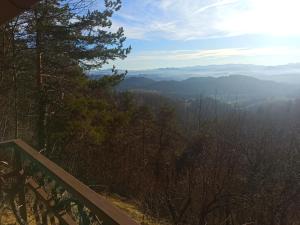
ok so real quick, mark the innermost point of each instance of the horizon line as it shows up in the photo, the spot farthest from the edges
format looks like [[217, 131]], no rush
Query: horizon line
[[198, 65]]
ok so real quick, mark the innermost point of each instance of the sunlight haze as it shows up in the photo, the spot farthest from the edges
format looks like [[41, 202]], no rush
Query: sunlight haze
[[172, 33]]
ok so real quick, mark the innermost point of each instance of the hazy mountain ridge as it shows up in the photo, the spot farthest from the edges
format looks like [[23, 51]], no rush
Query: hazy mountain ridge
[[289, 73], [227, 87]]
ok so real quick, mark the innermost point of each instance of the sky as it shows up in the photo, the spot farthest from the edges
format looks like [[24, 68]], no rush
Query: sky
[[179, 33]]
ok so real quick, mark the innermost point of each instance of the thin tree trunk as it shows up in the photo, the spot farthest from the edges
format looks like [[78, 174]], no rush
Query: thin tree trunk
[[39, 83]]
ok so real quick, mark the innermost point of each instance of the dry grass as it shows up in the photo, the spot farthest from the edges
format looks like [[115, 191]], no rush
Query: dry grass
[[7, 217], [132, 210]]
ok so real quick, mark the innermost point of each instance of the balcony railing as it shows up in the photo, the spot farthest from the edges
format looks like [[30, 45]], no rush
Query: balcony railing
[[44, 193]]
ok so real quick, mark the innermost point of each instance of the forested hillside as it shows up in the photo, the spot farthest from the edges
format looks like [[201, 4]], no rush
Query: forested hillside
[[196, 161], [227, 88]]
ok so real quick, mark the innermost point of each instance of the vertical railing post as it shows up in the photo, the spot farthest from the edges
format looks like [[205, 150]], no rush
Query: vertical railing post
[[21, 183]]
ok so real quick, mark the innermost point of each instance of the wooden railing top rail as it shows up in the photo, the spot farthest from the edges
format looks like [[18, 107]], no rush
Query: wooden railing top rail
[[100, 206]]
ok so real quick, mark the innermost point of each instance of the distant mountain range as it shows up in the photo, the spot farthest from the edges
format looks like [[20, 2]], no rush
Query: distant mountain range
[[229, 88], [289, 73]]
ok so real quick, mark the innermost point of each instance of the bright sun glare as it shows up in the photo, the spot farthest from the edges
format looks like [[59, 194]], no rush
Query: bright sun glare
[[272, 17]]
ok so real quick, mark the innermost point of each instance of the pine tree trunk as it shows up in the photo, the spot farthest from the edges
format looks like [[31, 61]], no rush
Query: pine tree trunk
[[39, 83], [15, 90]]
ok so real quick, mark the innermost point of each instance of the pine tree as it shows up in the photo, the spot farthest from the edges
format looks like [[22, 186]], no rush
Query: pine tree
[[60, 46]]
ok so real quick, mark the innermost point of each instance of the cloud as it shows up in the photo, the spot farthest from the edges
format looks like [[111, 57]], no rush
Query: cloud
[[214, 5], [178, 58], [197, 19], [170, 19], [215, 53]]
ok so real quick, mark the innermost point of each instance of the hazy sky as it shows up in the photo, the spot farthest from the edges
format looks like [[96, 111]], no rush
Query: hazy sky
[[175, 33]]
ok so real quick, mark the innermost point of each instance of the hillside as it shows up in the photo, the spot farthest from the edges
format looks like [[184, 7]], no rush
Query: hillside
[[227, 87]]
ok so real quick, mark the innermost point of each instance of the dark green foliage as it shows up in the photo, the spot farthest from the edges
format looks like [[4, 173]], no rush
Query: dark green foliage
[[49, 48]]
